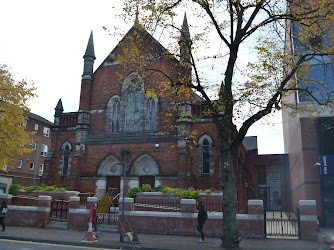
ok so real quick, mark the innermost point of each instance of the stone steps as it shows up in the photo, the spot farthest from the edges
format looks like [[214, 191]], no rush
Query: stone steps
[[57, 224]]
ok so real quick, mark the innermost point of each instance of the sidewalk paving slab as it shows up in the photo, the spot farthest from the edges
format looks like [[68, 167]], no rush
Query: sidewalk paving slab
[[111, 240]]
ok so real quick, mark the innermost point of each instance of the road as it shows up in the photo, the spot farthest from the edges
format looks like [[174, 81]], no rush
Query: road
[[28, 245]]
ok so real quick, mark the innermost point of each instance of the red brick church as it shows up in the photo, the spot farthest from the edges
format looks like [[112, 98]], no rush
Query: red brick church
[[127, 114]]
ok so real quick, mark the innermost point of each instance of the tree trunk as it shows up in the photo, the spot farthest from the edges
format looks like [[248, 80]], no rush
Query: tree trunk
[[230, 235]]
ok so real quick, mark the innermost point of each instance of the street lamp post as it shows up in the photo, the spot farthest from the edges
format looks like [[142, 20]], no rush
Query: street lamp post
[[123, 196], [36, 162]]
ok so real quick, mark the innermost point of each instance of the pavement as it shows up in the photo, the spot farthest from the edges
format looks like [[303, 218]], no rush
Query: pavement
[[111, 240]]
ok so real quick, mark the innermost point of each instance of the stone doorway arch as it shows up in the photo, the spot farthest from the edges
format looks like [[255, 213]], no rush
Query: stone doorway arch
[[145, 166], [109, 175]]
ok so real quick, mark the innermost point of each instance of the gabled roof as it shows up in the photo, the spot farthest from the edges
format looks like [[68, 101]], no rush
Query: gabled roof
[[39, 118], [139, 28]]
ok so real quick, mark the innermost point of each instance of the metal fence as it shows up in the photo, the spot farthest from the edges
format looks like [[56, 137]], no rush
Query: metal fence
[[109, 217], [158, 206], [59, 209], [212, 206]]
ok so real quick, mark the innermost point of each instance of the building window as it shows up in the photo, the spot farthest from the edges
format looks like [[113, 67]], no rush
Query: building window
[[19, 164], [44, 150], [41, 169], [4, 168], [33, 146], [205, 147], [206, 156], [46, 132], [66, 151], [32, 166], [150, 114], [25, 123], [317, 78], [36, 126], [113, 114], [3, 188], [133, 109], [116, 114]]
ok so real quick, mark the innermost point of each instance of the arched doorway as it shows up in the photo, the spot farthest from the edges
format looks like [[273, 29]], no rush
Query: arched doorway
[[146, 168]]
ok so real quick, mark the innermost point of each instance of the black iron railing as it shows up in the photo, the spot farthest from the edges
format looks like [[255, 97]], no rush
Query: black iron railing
[[59, 209], [158, 206], [109, 217], [24, 201]]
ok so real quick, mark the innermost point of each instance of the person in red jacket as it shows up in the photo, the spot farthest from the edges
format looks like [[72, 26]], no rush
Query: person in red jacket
[[93, 216]]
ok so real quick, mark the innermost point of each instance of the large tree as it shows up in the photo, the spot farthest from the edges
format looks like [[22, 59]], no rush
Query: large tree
[[249, 44], [14, 136]]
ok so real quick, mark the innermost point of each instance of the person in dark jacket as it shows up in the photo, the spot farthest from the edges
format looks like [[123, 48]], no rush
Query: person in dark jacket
[[202, 217], [3, 215]]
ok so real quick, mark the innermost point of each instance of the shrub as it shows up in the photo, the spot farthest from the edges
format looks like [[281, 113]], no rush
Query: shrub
[[133, 192], [43, 187], [14, 188], [146, 188], [159, 188]]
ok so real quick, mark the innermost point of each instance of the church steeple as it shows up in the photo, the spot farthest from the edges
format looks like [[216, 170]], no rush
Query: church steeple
[[185, 43], [89, 59]]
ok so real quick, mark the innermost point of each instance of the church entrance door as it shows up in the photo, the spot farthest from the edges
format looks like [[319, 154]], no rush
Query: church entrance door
[[147, 179], [113, 182]]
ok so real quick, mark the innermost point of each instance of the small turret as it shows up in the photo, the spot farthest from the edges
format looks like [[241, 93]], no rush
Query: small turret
[[59, 108], [185, 43], [89, 59]]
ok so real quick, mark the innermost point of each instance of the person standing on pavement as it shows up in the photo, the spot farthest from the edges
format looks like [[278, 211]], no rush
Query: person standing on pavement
[[3, 212], [93, 216], [202, 217]]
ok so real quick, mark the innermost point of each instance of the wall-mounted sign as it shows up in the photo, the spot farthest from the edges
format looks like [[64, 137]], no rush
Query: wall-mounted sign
[[326, 164]]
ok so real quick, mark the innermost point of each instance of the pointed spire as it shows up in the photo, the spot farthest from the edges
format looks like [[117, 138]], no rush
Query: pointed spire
[[59, 108], [89, 58], [90, 47], [185, 43], [185, 28], [137, 14]]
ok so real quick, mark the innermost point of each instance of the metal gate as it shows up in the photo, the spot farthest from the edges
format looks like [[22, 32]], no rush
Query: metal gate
[[59, 209], [282, 223]]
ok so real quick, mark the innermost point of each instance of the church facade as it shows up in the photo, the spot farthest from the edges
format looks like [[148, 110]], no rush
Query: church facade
[[138, 116]]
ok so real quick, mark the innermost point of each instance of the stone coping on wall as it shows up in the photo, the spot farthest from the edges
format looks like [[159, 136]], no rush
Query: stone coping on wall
[[255, 202], [28, 208], [57, 192], [161, 193], [307, 203]]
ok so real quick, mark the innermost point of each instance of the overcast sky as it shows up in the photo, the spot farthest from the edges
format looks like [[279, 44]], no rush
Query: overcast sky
[[44, 42]]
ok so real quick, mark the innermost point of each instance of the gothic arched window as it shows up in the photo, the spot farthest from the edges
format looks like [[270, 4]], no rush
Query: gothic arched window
[[66, 151], [116, 114], [205, 157], [151, 116], [113, 114]]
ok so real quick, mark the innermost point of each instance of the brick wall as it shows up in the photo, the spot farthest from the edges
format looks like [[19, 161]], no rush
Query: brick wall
[[185, 222]]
